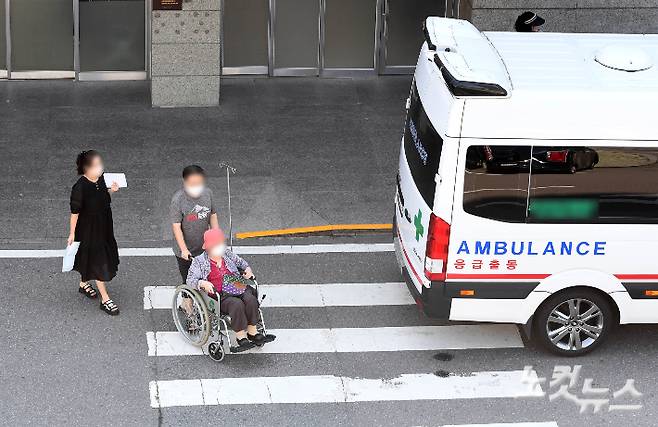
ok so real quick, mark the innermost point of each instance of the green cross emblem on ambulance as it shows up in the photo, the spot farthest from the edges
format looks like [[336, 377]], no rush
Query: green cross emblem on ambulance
[[420, 230]]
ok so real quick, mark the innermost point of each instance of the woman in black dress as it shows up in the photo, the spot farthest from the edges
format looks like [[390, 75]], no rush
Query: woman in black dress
[[91, 225]]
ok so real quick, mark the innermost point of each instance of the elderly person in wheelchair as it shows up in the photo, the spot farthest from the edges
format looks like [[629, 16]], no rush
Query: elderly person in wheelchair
[[214, 272]]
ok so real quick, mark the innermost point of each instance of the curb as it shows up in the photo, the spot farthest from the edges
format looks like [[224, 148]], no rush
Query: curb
[[314, 229]]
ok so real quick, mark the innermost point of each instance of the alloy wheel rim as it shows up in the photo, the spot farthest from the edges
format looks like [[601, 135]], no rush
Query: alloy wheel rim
[[575, 324]]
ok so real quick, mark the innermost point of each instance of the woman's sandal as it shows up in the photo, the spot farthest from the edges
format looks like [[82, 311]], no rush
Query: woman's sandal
[[88, 291], [110, 307]]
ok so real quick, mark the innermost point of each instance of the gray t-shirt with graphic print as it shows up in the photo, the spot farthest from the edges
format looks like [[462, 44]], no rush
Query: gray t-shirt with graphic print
[[194, 217]]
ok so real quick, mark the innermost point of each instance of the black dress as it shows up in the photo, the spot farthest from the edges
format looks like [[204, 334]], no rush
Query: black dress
[[98, 255]]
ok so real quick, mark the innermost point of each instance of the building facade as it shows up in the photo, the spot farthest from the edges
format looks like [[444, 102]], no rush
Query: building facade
[[186, 52], [112, 39]]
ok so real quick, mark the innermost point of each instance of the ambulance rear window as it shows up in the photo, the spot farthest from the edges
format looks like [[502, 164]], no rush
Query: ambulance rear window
[[422, 147], [496, 182], [562, 184]]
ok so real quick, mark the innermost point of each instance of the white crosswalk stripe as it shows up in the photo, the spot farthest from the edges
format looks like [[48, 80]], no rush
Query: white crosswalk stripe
[[242, 250], [349, 340], [306, 295], [334, 389], [530, 424], [289, 388]]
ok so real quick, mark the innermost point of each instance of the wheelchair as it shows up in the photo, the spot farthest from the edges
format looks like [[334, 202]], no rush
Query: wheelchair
[[198, 318]]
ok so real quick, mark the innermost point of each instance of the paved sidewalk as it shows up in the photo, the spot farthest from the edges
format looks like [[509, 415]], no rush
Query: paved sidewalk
[[308, 152]]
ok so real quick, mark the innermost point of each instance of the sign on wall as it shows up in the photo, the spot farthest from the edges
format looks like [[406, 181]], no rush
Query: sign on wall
[[167, 4]]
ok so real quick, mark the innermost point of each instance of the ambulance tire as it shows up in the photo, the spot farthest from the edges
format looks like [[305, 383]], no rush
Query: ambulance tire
[[604, 321]]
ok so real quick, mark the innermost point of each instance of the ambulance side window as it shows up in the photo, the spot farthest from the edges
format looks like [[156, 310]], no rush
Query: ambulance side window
[[589, 185], [496, 182], [422, 148]]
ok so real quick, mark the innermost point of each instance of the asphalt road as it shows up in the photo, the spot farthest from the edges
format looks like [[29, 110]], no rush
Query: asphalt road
[[65, 363]]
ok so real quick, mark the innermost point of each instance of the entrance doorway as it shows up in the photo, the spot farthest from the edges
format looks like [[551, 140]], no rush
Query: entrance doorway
[[66, 39], [349, 37], [40, 39], [324, 37], [245, 38], [3, 41], [112, 42], [295, 37], [402, 32]]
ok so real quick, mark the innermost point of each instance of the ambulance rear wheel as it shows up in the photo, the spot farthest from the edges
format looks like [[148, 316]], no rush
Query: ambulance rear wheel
[[574, 322]]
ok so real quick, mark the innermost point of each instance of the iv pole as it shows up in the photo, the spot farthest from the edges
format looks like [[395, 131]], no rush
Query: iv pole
[[229, 170]]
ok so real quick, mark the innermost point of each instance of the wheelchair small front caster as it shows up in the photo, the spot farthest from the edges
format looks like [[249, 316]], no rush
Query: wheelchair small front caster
[[216, 351]]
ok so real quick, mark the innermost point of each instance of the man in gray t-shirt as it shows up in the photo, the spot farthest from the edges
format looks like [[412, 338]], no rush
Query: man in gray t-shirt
[[192, 212]]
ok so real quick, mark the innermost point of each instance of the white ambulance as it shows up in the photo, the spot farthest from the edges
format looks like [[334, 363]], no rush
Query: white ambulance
[[527, 189]]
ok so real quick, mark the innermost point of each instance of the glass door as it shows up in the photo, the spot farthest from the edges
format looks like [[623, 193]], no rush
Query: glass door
[[3, 41], [348, 37], [246, 37], [42, 34], [112, 39], [296, 37], [402, 34]]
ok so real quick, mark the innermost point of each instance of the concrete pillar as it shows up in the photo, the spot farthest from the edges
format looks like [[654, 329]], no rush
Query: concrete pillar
[[582, 16], [185, 55]]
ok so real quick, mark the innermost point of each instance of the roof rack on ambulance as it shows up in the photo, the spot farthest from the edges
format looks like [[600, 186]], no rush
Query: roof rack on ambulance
[[469, 64]]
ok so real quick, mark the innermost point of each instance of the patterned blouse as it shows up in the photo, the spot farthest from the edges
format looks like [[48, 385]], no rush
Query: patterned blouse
[[200, 268], [224, 281]]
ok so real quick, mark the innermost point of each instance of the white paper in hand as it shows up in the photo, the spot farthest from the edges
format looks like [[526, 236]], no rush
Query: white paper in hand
[[69, 257], [119, 178]]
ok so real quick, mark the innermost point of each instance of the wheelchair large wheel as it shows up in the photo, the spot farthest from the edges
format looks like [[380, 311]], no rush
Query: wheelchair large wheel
[[191, 315]]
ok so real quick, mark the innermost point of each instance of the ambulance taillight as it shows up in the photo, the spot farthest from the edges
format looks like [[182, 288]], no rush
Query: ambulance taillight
[[436, 254], [560, 156]]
